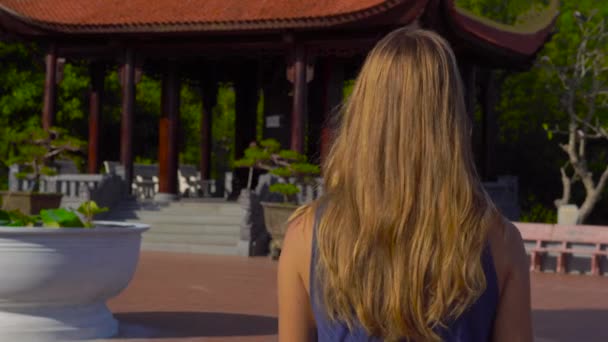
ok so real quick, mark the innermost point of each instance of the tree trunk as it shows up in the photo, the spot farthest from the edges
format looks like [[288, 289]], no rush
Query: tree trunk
[[566, 189], [588, 204]]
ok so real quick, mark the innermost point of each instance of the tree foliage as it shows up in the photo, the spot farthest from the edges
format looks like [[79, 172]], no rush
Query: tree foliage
[[530, 99], [21, 94], [503, 11], [583, 97]]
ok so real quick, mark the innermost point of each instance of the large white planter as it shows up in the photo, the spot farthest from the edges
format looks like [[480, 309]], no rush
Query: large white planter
[[54, 283]]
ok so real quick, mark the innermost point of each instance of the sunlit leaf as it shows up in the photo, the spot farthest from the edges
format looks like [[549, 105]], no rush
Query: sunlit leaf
[[60, 218]]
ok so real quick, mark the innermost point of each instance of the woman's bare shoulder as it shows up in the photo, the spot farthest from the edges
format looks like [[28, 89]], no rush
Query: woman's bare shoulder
[[297, 244], [508, 249]]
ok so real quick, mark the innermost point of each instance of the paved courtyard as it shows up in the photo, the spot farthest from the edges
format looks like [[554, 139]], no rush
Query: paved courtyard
[[185, 297]]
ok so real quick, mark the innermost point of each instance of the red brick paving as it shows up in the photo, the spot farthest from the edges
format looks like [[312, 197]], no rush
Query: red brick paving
[[187, 297], [190, 297], [570, 307]]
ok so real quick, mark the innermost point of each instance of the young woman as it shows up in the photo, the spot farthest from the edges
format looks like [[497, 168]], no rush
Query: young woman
[[405, 245]]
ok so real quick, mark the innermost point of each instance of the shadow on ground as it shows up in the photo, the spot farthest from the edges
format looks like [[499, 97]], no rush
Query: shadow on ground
[[193, 324], [571, 325]]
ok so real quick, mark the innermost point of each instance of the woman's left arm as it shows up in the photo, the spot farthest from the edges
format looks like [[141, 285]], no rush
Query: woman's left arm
[[296, 322]]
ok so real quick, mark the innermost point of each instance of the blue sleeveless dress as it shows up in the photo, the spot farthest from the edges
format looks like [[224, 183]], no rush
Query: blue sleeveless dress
[[474, 325]]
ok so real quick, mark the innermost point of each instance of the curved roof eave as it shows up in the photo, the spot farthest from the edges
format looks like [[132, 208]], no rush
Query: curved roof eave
[[524, 39], [29, 25]]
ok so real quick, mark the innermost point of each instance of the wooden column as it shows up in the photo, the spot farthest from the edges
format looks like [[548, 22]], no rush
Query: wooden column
[[97, 74], [324, 95], [316, 102], [468, 74], [488, 98], [128, 112], [50, 88], [168, 131], [333, 84], [209, 92], [298, 112], [246, 89], [277, 102]]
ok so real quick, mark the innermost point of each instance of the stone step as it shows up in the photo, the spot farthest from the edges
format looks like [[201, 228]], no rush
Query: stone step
[[222, 209], [187, 226], [193, 239], [178, 212], [198, 229], [188, 248], [193, 219]]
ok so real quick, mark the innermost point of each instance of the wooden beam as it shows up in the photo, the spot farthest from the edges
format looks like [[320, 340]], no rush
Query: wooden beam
[[97, 74], [50, 88], [238, 45], [298, 113], [209, 95], [168, 157], [128, 113]]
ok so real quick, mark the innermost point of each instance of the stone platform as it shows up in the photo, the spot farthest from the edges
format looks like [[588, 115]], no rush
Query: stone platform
[[194, 297]]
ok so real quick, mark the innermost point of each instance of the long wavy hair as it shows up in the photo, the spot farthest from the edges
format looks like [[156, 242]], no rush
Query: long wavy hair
[[406, 217]]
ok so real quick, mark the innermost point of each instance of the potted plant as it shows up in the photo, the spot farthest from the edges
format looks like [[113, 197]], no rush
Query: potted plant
[[293, 170], [34, 150], [58, 269]]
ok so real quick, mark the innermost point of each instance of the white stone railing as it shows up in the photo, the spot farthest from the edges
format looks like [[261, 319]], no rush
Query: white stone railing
[[146, 182], [106, 190]]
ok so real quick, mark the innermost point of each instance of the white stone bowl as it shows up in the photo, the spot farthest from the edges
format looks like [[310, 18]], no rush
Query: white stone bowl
[[54, 283]]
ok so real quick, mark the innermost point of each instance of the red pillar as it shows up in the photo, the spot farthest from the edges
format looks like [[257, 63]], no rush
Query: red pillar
[[209, 101], [50, 88], [333, 84], [97, 74], [168, 131], [298, 113], [246, 91], [128, 111]]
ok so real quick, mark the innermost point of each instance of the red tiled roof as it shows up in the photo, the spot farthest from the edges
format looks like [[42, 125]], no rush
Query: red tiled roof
[[44, 17], [169, 15]]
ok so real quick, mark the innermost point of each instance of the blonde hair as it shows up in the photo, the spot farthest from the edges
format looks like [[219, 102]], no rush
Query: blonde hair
[[406, 218]]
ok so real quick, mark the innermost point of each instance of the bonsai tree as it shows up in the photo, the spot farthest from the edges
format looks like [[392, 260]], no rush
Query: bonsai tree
[[292, 167], [35, 149]]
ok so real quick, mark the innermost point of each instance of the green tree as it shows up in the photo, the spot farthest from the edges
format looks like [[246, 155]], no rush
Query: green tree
[[528, 100], [583, 95], [20, 94]]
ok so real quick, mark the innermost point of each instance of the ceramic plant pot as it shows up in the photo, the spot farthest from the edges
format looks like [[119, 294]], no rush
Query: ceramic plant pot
[[54, 282], [275, 218], [29, 203]]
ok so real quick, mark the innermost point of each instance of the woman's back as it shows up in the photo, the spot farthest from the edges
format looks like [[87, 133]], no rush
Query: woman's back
[[474, 325]]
